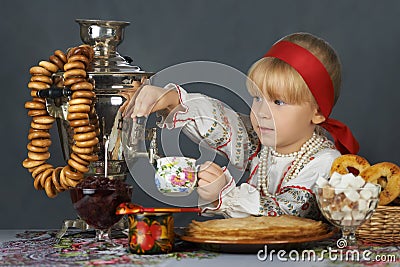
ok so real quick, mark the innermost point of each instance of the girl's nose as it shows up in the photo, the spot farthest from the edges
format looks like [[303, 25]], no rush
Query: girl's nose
[[264, 111]]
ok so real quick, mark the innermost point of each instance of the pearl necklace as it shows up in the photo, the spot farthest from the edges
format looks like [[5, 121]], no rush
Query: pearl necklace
[[277, 154], [302, 157]]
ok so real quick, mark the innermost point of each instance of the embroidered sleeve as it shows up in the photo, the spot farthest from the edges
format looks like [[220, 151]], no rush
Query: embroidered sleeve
[[295, 201], [206, 119]]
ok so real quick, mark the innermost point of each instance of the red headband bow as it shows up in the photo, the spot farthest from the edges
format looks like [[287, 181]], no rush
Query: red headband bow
[[320, 84]]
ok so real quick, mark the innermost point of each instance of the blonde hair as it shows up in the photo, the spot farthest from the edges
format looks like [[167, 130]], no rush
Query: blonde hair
[[278, 80]]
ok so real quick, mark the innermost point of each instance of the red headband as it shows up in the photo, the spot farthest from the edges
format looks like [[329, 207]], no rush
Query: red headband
[[320, 84]]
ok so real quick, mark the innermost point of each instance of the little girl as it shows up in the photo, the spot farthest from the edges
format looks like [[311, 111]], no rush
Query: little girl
[[294, 87]]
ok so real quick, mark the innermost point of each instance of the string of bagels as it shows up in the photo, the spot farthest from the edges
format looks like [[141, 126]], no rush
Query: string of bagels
[[81, 116]]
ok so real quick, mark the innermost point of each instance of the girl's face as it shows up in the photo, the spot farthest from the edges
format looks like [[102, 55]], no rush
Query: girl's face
[[281, 125]]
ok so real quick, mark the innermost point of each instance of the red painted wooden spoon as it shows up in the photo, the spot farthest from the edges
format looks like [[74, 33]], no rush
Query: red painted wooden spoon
[[130, 208]]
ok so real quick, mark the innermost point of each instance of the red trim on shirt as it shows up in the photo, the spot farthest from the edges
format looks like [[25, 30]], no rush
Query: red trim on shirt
[[276, 202], [256, 152], [227, 142], [252, 173], [278, 189], [272, 213], [175, 120], [226, 155], [180, 112], [226, 121]]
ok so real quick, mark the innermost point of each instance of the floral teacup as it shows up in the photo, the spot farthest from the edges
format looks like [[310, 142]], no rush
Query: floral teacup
[[176, 176]]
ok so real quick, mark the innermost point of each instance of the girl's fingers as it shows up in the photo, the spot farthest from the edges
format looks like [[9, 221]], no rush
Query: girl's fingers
[[210, 191], [211, 167], [136, 109], [209, 177], [146, 100], [142, 108], [126, 102], [130, 106], [202, 183], [136, 96]]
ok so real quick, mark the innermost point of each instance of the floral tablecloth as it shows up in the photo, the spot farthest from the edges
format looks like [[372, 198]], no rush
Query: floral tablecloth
[[41, 248]]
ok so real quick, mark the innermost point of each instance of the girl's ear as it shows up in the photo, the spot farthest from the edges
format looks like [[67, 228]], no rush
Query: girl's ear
[[318, 117]]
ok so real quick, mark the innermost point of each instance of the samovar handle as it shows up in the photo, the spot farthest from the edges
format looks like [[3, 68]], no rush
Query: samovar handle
[[140, 129], [153, 149], [54, 92]]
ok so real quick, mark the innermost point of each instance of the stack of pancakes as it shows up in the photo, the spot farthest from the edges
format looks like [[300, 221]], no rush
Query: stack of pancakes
[[257, 228]]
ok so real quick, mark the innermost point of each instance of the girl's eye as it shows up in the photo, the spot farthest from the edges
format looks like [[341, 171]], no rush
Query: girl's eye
[[279, 102], [257, 99]]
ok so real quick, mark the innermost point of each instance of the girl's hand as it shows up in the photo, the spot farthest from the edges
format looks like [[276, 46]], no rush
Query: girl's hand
[[149, 99], [211, 180]]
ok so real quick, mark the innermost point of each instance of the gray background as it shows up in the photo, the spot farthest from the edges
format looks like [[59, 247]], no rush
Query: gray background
[[366, 34]]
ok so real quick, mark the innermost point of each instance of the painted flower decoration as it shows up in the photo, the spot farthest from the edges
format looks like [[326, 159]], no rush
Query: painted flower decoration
[[146, 235], [177, 180], [189, 175]]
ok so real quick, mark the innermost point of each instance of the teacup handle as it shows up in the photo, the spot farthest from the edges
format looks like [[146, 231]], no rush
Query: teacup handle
[[196, 171]]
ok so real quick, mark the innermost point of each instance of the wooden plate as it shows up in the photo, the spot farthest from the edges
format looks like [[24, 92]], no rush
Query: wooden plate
[[253, 245]]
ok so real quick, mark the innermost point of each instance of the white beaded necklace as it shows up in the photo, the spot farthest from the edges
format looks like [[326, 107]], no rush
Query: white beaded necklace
[[302, 157]]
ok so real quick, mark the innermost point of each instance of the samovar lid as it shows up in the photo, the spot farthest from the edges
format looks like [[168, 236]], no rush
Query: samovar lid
[[104, 36]]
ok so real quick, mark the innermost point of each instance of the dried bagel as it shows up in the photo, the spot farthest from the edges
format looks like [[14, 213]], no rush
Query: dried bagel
[[387, 175], [349, 164]]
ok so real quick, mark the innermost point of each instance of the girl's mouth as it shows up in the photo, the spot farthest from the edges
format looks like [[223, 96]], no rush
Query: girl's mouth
[[265, 129]]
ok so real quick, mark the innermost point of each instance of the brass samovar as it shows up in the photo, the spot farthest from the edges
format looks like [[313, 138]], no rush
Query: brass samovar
[[114, 80]]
